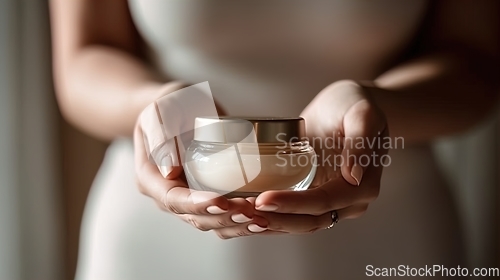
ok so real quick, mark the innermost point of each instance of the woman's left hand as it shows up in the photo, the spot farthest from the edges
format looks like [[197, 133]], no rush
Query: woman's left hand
[[348, 132]]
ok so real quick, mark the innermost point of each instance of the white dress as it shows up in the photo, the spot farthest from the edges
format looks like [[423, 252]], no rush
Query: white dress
[[271, 58]]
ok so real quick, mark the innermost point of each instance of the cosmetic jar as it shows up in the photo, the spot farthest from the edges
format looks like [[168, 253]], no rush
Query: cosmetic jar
[[241, 157]]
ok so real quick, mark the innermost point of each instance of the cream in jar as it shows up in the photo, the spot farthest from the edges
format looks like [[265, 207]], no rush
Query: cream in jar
[[246, 156]]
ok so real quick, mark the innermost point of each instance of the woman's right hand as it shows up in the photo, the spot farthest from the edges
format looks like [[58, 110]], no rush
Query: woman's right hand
[[204, 210]]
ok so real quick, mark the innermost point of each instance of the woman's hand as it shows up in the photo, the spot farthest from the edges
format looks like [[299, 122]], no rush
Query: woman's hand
[[348, 132], [164, 180]]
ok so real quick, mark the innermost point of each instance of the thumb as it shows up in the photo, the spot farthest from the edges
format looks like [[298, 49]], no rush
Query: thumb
[[160, 150], [167, 158], [362, 124]]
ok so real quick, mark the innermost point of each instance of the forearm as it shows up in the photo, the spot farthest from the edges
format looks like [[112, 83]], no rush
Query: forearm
[[435, 96], [102, 90]]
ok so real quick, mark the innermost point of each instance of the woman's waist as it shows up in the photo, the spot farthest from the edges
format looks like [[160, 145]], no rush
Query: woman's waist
[[258, 86]]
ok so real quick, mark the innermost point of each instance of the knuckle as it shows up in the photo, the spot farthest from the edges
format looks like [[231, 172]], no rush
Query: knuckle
[[222, 223], [170, 207], [242, 233], [166, 204], [192, 220]]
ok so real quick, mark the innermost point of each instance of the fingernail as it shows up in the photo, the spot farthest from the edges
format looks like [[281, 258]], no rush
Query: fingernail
[[267, 207], [255, 228], [240, 218], [165, 166], [357, 173], [215, 210], [250, 199]]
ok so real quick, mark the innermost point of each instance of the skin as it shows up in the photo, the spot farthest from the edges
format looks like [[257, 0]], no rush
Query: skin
[[448, 85]]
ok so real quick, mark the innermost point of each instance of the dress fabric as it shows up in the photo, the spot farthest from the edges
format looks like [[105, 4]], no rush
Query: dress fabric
[[270, 58]]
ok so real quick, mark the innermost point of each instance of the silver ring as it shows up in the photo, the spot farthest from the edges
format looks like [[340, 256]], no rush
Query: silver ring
[[335, 219]]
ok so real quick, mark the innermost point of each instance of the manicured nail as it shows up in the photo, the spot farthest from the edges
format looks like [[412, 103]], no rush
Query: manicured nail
[[240, 218], [267, 207], [250, 199], [165, 166], [215, 210], [255, 228], [357, 173]]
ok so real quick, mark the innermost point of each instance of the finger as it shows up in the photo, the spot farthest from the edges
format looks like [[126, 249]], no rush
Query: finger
[[177, 113], [150, 128], [241, 206], [172, 195], [182, 200], [333, 195], [143, 156], [295, 223], [256, 226], [363, 123], [323, 175], [272, 232], [240, 212], [163, 151], [300, 224], [328, 167], [168, 123]]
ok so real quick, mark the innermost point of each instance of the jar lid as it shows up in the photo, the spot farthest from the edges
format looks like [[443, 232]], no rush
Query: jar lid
[[249, 129]]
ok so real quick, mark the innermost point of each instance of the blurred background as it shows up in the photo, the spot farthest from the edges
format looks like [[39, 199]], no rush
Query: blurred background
[[47, 167]]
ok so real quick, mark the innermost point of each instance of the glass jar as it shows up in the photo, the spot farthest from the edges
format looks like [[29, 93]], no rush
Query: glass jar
[[246, 156]]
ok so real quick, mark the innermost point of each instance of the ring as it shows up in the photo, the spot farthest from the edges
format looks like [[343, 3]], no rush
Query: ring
[[335, 219]]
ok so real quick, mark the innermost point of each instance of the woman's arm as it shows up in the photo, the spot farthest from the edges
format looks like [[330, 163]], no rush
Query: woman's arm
[[455, 80], [102, 83], [103, 86]]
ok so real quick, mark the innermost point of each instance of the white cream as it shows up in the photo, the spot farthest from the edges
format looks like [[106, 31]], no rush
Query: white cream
[[251, 166]]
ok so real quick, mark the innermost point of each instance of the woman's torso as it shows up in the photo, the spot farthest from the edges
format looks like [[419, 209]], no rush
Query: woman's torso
[[270, 58], [273, 57]]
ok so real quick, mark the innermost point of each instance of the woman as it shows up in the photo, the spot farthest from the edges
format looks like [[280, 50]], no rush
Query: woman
[[345, 66]]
